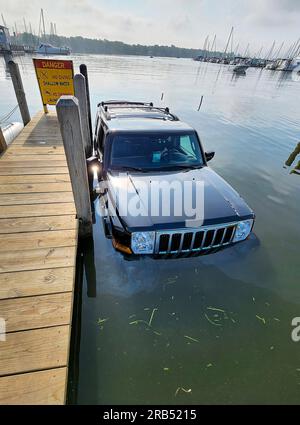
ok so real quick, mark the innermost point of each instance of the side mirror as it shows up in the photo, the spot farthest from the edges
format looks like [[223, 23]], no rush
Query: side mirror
[[209, 155]]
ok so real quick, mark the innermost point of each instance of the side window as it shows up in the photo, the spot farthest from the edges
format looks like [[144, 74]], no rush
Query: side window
[[100, 139]]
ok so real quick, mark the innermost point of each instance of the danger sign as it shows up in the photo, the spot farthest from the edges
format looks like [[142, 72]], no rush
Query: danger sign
[[55, 78]]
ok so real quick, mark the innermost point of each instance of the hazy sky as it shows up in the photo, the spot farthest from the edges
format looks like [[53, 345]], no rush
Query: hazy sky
[[181, 22]]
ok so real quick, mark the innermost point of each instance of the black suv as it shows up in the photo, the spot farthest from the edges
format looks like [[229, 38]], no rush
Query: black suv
[[142, 147]]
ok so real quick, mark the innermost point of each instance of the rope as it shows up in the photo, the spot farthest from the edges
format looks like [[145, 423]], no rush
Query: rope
[[6, 117]]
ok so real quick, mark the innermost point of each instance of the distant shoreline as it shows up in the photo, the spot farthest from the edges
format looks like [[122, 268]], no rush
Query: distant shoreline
[[84, 45]]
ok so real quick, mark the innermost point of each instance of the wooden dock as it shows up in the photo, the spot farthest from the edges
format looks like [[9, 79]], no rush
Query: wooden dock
[[38, 244]]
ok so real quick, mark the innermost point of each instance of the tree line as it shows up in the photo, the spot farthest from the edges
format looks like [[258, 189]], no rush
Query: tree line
[[80, 44]]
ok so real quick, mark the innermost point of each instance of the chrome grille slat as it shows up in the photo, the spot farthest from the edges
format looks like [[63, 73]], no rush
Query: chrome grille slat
[[203, 240], [170, 244], [193, 240], [193, 232], [214, 238], [224, 233], [181, 243]]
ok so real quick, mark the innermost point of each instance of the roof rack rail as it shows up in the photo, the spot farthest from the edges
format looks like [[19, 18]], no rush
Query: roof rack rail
[[110, 104]]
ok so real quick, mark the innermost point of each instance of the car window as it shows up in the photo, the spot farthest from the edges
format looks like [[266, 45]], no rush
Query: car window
[[187, 143], [100, 140], [149, 151]]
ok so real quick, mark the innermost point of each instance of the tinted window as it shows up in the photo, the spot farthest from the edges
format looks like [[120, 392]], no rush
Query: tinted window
[[155, 151]]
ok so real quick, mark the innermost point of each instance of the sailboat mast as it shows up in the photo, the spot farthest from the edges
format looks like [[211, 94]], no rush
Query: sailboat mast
[[43, 22], [3, 20], [228, 41], [25, 26], [276, 55], [271, 50]]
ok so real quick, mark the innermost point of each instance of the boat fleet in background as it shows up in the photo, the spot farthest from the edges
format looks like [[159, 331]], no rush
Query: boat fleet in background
[[241, 64], [275, 60]]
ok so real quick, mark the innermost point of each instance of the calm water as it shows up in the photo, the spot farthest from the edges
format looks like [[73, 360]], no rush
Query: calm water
[[221, 324]]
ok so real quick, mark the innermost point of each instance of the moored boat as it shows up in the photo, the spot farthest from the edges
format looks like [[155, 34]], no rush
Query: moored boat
[[240, 69], [48, 49]]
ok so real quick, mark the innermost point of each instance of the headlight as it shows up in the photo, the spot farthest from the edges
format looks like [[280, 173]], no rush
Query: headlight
[[242, 230], [143, 242]]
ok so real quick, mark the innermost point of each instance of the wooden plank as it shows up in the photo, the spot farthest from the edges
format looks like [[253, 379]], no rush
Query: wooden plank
[[11, 159], [42, 388], [45, 258], [32, 163], [36, 240], [12, 170], [46, 178], [36, 282], [35, 187], [36, 198], [39, 150], [30, 142], [36, 224], [41, 311], [33, 350], [37, 210]]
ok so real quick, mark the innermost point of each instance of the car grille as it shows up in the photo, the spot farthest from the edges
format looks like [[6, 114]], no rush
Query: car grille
[[193, 241]]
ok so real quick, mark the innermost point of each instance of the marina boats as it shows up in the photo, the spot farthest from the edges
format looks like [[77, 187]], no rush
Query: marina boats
[[289, 65], [48, 49], [240, 69]]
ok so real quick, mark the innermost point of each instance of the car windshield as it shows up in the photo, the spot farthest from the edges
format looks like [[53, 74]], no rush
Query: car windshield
[[164, 151]]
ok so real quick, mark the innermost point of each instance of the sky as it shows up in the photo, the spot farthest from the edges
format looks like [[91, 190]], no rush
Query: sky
[[184, 23]]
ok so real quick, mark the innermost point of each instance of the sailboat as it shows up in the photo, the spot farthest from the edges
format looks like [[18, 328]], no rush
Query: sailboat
[[46, 48]]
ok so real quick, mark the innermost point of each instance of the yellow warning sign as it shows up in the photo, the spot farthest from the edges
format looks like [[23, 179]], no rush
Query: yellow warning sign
[[55, 78]]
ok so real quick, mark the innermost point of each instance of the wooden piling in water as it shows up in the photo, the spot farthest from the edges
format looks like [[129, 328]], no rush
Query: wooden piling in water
[[71, 130], [80, 93], [3, 145], [84, 72], [19, 90]]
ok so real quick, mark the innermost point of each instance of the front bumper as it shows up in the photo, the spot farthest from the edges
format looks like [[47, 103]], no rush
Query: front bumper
[[183, 243]]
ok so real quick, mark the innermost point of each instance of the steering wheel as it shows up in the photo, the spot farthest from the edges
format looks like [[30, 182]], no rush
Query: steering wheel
[[168, 153]]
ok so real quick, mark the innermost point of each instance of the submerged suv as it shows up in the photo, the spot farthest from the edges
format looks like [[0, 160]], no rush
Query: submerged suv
[[141, 148]]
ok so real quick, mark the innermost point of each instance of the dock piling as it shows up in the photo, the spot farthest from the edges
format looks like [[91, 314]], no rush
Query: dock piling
[[3, 145], [80, 93], [19, 90], [69, 119], [84, 72]]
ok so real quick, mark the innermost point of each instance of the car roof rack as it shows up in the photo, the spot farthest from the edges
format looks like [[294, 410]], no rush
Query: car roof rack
[[107, 109]]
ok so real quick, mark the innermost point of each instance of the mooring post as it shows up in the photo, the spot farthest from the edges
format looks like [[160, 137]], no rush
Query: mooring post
[[19, 90], [3, 144], [68, 115], [83, 71], [80, 93]]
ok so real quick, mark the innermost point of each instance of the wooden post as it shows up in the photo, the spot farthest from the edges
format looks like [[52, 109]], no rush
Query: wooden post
[[3, 144], [68, 115], [19, 90], [80, 93], [83, 71]]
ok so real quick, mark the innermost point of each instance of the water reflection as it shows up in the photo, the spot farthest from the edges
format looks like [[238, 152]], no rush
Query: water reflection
[[291, 159]]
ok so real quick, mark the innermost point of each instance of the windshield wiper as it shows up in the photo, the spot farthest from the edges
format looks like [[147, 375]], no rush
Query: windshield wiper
[[125, 168], [181, 167]]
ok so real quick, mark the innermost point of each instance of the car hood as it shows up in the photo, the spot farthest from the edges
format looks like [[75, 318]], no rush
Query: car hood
[[219, 203]]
